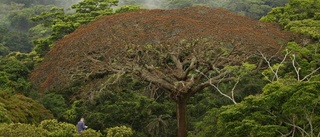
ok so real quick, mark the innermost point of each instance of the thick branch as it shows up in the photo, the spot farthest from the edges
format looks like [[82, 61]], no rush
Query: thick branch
[[144, 73], [192, 66], [177, 62], [154, 79], [158, 73]]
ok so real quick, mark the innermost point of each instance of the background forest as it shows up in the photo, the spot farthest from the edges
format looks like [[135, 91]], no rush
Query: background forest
[[281, 98]]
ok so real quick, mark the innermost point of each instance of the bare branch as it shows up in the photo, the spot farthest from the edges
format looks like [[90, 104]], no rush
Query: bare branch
[[293, 131], [216, 87], [270, 67], [234, 87], [210, 81], [276, 76], [267, 77], [307, 76], [285, 135], [298, 127], [297, 70], [309, 119], [285, 57]]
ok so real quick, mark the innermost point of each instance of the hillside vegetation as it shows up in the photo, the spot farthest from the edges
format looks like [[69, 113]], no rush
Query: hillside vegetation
[[160, 68]]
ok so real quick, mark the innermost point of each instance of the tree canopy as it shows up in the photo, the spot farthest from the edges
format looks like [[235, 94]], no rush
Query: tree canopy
[[299, 16], [153, 27], [157, 46]]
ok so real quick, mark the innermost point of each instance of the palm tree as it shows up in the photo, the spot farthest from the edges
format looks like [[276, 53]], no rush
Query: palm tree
[[158, 125]]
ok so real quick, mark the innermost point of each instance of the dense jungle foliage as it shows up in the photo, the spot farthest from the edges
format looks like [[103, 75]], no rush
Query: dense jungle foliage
[[247, 94]]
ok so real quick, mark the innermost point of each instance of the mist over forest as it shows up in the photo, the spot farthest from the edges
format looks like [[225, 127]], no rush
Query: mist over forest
[[160, 68]]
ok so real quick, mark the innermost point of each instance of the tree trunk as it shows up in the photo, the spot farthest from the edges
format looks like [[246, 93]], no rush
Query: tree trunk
[[181, 117]]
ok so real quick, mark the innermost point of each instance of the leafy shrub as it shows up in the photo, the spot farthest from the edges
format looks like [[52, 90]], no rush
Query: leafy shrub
[[21, 109], [89, 133], [21, 130], [121, 131], [4, 114], [55, 103], [58, 129]]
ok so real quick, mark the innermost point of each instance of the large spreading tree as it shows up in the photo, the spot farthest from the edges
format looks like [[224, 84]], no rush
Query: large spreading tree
[[181, 51]]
